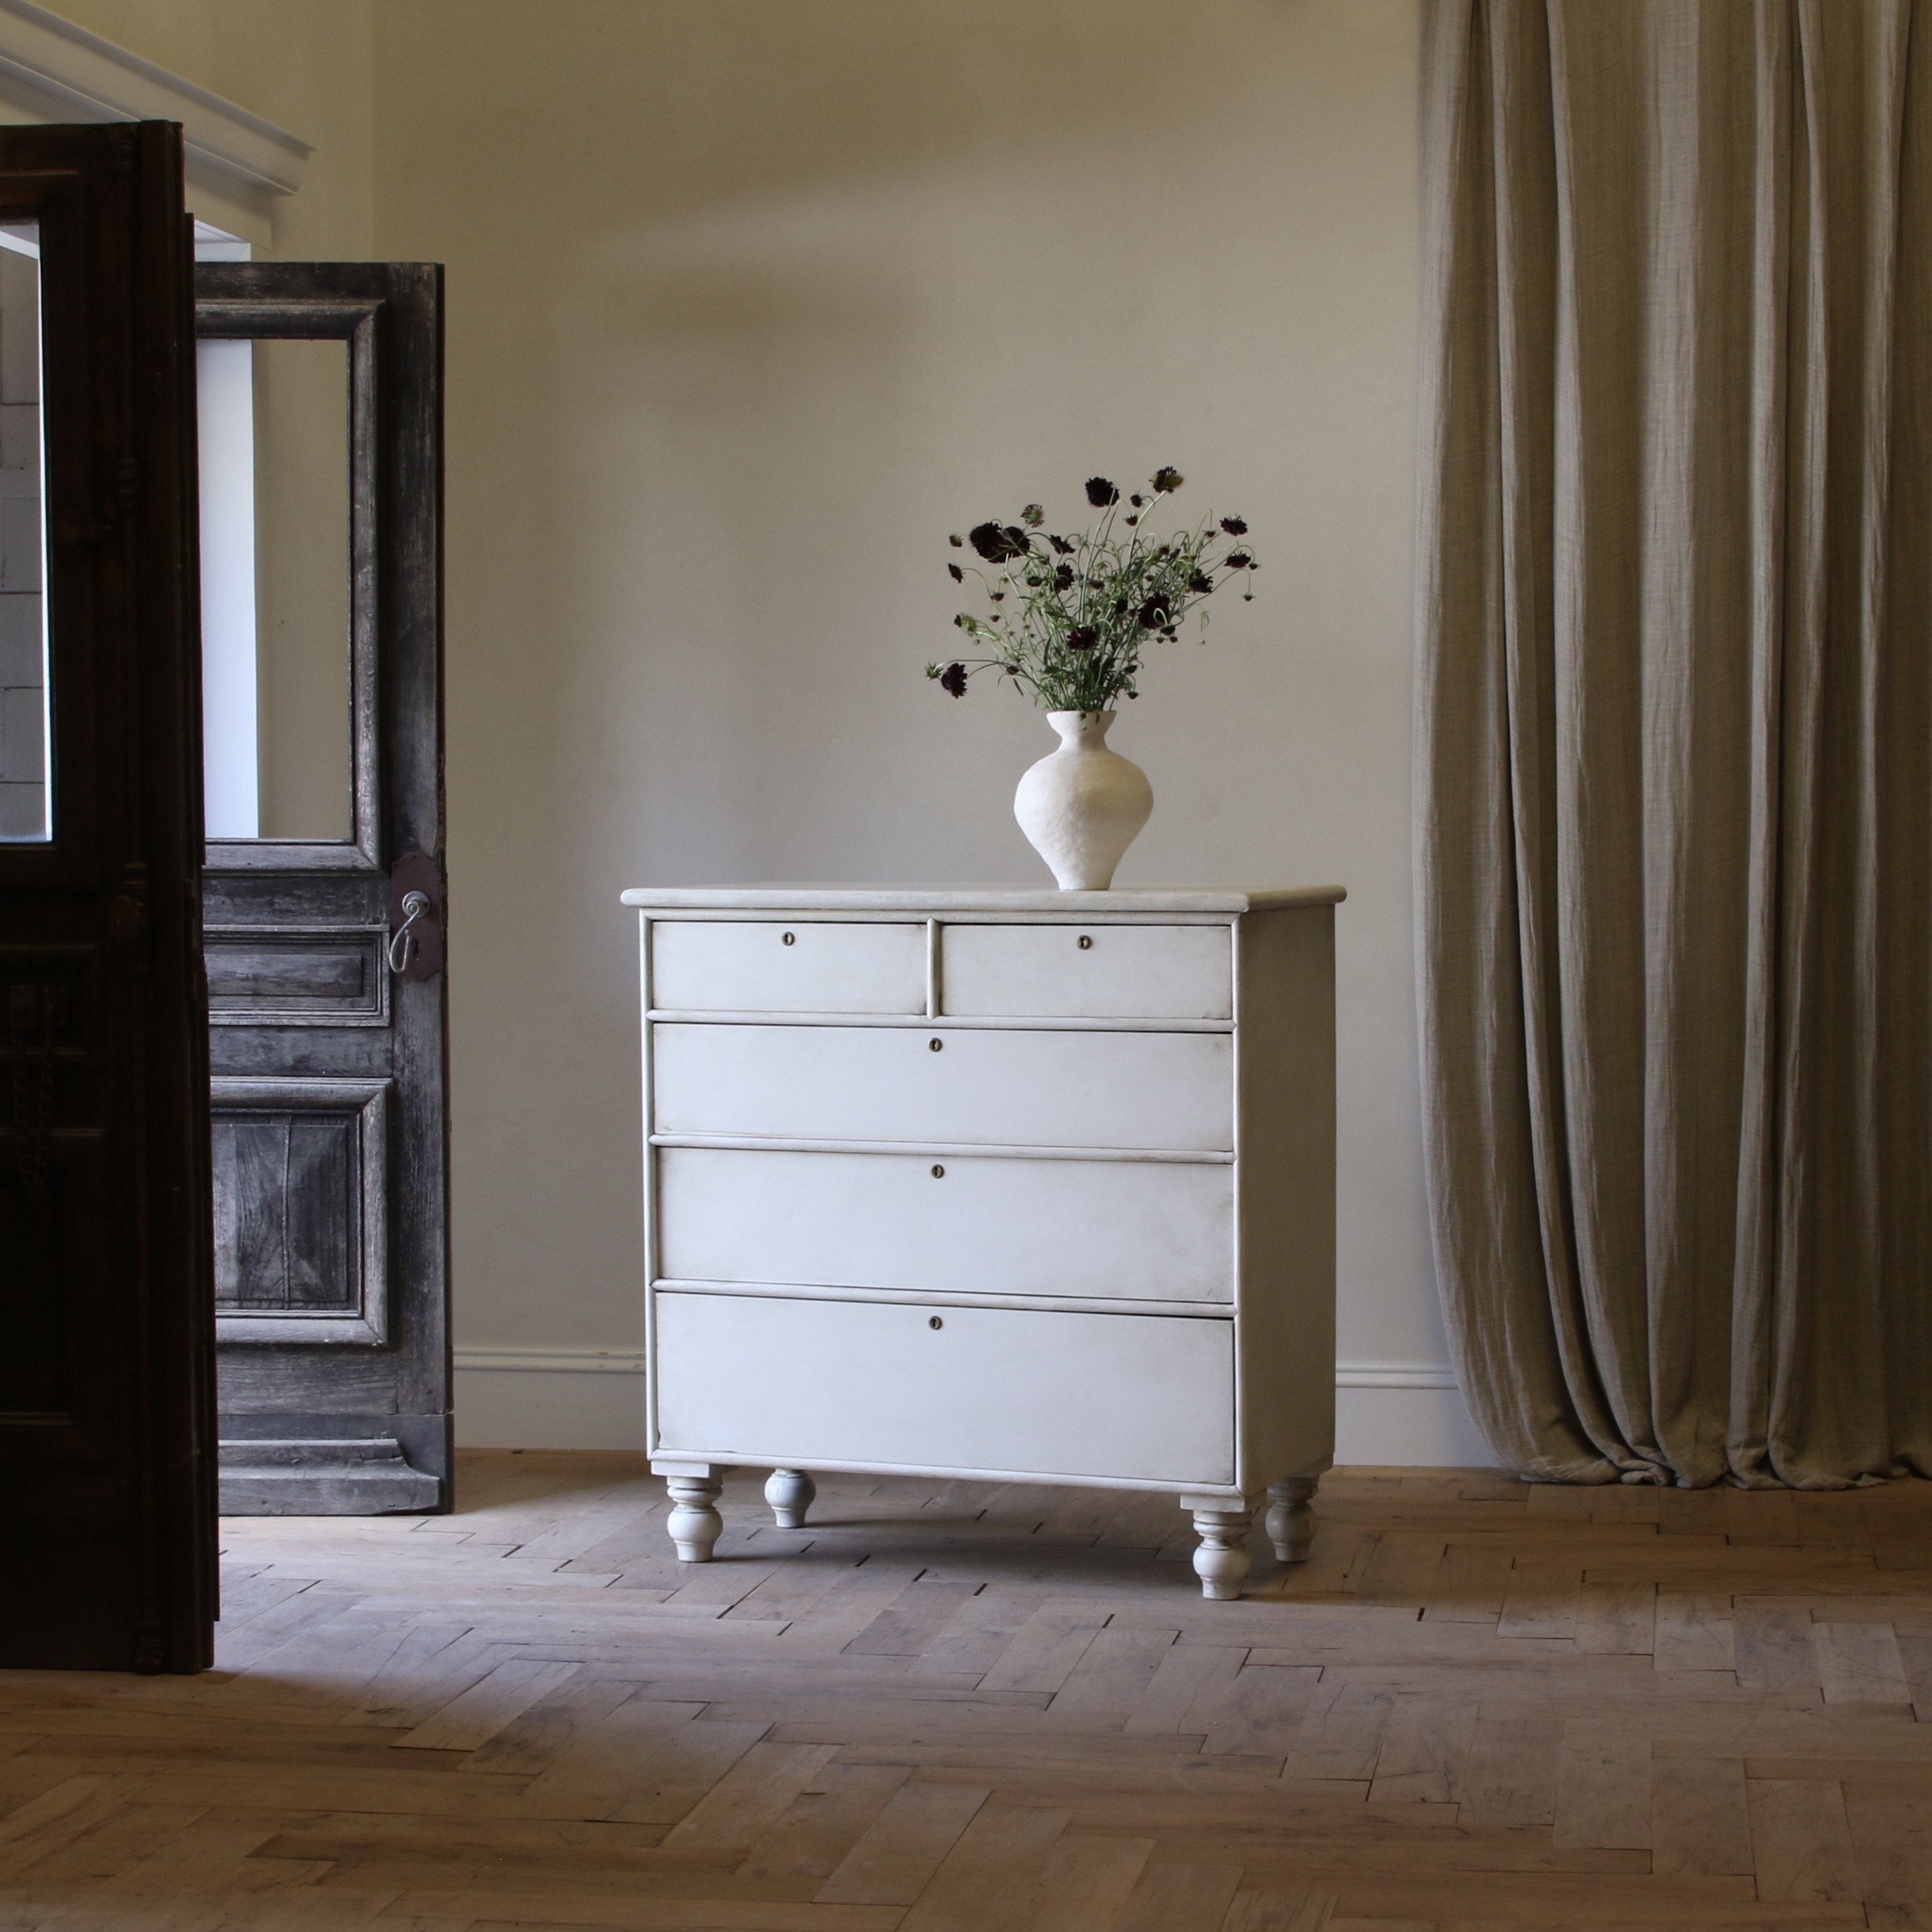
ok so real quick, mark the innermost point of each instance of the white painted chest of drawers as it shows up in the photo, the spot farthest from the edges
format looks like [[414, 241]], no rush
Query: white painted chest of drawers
[[1025, 1186]]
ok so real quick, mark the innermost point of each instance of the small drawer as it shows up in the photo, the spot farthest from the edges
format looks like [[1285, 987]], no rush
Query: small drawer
[[1100, 1230], [983, 1085], [773, 1380], [1096, 972], [728, 966]]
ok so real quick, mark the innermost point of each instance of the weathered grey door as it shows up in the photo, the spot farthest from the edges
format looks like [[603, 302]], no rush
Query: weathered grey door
[[323, 900]]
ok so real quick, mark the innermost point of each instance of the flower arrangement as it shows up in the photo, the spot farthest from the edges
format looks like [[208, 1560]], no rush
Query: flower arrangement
[[1072, 616]]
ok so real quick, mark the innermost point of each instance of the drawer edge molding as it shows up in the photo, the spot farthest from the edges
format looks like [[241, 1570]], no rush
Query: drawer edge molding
[[943, 1298], [958, 1150], [759, 1458], [962, 1022], [1132, 903]]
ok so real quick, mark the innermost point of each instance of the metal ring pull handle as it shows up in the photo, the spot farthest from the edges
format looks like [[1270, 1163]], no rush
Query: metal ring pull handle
[[415, 904]]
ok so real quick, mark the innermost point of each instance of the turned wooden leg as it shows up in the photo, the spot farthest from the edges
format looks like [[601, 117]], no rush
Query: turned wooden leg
[[695, 1524], [1221, 1559], [1291, 1517], [790, 1493]]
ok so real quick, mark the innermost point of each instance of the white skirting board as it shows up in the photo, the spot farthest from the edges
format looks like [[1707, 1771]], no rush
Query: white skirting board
[[1409, 1414]]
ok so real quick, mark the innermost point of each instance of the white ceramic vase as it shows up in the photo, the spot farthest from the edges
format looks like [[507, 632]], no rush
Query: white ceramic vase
[[1083, 805]]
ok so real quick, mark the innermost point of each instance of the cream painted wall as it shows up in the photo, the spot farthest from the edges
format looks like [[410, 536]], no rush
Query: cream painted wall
[[750, 304]]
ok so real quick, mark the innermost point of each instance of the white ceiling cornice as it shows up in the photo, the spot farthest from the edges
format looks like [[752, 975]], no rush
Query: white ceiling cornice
[[83, 77]]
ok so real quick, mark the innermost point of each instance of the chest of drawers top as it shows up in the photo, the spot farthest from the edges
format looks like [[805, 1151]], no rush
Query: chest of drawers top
[[1138, 902], [989, 956]]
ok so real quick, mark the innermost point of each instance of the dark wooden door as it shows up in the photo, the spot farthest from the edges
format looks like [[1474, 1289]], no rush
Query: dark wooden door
[[107, 1463], [327, 1018]]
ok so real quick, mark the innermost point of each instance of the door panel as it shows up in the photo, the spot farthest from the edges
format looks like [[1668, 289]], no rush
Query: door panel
[[107, 1448], [330, 1120], [302, 1210]]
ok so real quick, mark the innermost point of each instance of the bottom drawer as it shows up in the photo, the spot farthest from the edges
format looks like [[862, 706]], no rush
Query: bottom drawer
[[767, 1379]]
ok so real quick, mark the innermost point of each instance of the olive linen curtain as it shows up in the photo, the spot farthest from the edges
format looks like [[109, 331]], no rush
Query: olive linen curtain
[[1673, 725]]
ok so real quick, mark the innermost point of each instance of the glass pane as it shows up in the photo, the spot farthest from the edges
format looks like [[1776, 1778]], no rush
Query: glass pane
[[275, 582], [25, 796]]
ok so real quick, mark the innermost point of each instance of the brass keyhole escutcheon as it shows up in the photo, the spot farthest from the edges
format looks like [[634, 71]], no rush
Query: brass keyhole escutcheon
[[937, 1045], [1086, 943], [933, 1321], [938, 1172], [789, 938]]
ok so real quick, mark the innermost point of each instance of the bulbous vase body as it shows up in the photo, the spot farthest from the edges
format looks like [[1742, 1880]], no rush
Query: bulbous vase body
[[1083, 805]]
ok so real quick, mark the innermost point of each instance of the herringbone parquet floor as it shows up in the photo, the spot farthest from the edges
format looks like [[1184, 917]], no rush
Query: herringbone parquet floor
[[970, 1708]]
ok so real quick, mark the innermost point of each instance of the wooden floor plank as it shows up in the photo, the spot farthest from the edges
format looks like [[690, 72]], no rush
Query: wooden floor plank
[[751, 1797], [1699, 1818], [1860, 1663], [1085, 1884], [1263, 1711], [896, 1857], [819, 1829], [985, 1883], [1801, 1842], [1603, 1790], [1425, 1746]]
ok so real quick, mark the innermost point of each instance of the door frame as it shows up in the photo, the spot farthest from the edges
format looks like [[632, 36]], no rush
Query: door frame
[[107, 1484]]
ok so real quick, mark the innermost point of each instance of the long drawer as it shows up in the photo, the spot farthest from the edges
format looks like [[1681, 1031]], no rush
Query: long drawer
[[1022, 1089], [1094, 1229], [773, 1380], [806, 966]]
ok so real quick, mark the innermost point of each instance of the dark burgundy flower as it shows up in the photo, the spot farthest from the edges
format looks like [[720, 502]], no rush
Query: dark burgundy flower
[[1061, 545], [1235, 526], [1100, 493], [1137, 501], [1062, 577], [958, 575], [1167, 478], [1131, 521], [961, 620], [1033, 516], [1239, 559], [1082, 638], [1154, 613], [1201, 584], [996, 544], [953, 679]]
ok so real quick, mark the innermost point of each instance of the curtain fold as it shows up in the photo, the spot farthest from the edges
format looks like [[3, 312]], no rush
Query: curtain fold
[[1674, 731]]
